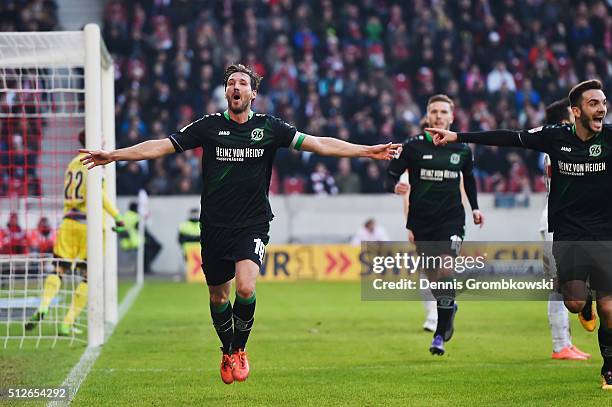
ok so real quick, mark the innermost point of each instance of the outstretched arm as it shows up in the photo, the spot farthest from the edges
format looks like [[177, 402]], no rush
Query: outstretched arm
[[338, 148], [502, 138], [146, 150]]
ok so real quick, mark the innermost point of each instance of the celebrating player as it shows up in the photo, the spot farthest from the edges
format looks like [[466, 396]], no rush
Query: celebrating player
[[579, 211], [558, 318], [71, 244], [436, 212], [239, 148]]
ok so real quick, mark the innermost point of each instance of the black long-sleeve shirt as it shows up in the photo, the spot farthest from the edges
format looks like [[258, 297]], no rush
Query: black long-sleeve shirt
[[434, 174], [581, 175]]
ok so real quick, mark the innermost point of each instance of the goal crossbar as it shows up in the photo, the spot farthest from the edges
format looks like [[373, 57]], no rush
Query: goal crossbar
[[35, 49]]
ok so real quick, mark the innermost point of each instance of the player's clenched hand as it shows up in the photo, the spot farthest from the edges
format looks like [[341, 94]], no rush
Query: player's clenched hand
[[402, 188], [442, 137], [93, 158], [387, 151], [478, 217]]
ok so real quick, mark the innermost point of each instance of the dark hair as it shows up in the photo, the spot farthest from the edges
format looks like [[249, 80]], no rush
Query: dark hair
[[557, 112], [575, 95], [133, 206], [441, 98], [233, 68]]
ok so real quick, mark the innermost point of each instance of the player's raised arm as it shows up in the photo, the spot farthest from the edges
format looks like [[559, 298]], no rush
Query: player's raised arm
[[146, 150], [503, 138], [330, 146]]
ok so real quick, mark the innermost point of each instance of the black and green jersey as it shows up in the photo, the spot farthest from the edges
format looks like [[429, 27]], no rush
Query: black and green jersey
[[580, 182], [236, 165], [435, 176]]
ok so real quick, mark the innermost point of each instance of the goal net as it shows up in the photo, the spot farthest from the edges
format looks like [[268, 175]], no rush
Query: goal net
[[53, 86]]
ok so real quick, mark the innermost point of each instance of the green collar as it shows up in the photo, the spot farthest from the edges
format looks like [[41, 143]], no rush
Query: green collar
[[592, 138], [227, 116], [428, 137]]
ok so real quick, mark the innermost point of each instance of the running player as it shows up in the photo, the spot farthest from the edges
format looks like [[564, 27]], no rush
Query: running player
[[71, 244], [436, 211], [558, 317], [579, 209], [239, 148]]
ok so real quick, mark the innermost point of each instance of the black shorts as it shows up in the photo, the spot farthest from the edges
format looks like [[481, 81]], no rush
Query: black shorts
[[223, 247], [440, 240], [582, 257]]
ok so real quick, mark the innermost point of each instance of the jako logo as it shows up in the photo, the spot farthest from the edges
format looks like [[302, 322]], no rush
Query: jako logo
[[224, 132], [568, 149]]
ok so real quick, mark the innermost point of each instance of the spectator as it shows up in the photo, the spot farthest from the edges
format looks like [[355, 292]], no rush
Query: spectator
[[527, 95], [500, 76], [370, 232], [348, 182], [130, 179], [41, 239], [322, 182], [13, 239], [373, 181]]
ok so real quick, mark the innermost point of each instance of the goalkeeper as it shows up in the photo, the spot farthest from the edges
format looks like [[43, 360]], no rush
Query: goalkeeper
[[71, 244]]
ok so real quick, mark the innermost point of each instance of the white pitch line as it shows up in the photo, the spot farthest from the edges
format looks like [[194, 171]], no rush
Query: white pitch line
[[127, 302], [79, 372]]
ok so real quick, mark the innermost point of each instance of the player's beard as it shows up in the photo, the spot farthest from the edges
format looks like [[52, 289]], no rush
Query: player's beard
[[585, 121], [243, 107]]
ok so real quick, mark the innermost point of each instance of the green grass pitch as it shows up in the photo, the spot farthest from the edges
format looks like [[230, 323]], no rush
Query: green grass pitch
[[319, 344]]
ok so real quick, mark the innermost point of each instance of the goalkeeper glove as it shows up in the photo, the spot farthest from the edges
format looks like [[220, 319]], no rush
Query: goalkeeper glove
[[119, 227]]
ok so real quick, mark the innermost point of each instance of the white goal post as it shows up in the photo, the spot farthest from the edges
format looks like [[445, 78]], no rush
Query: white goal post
[[52, 52]]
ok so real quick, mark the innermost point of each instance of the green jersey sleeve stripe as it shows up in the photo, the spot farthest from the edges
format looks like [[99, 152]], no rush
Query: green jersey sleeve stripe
[[298, 139]]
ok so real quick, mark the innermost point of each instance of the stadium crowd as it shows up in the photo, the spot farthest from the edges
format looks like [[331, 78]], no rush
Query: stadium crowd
[[360, 71]]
